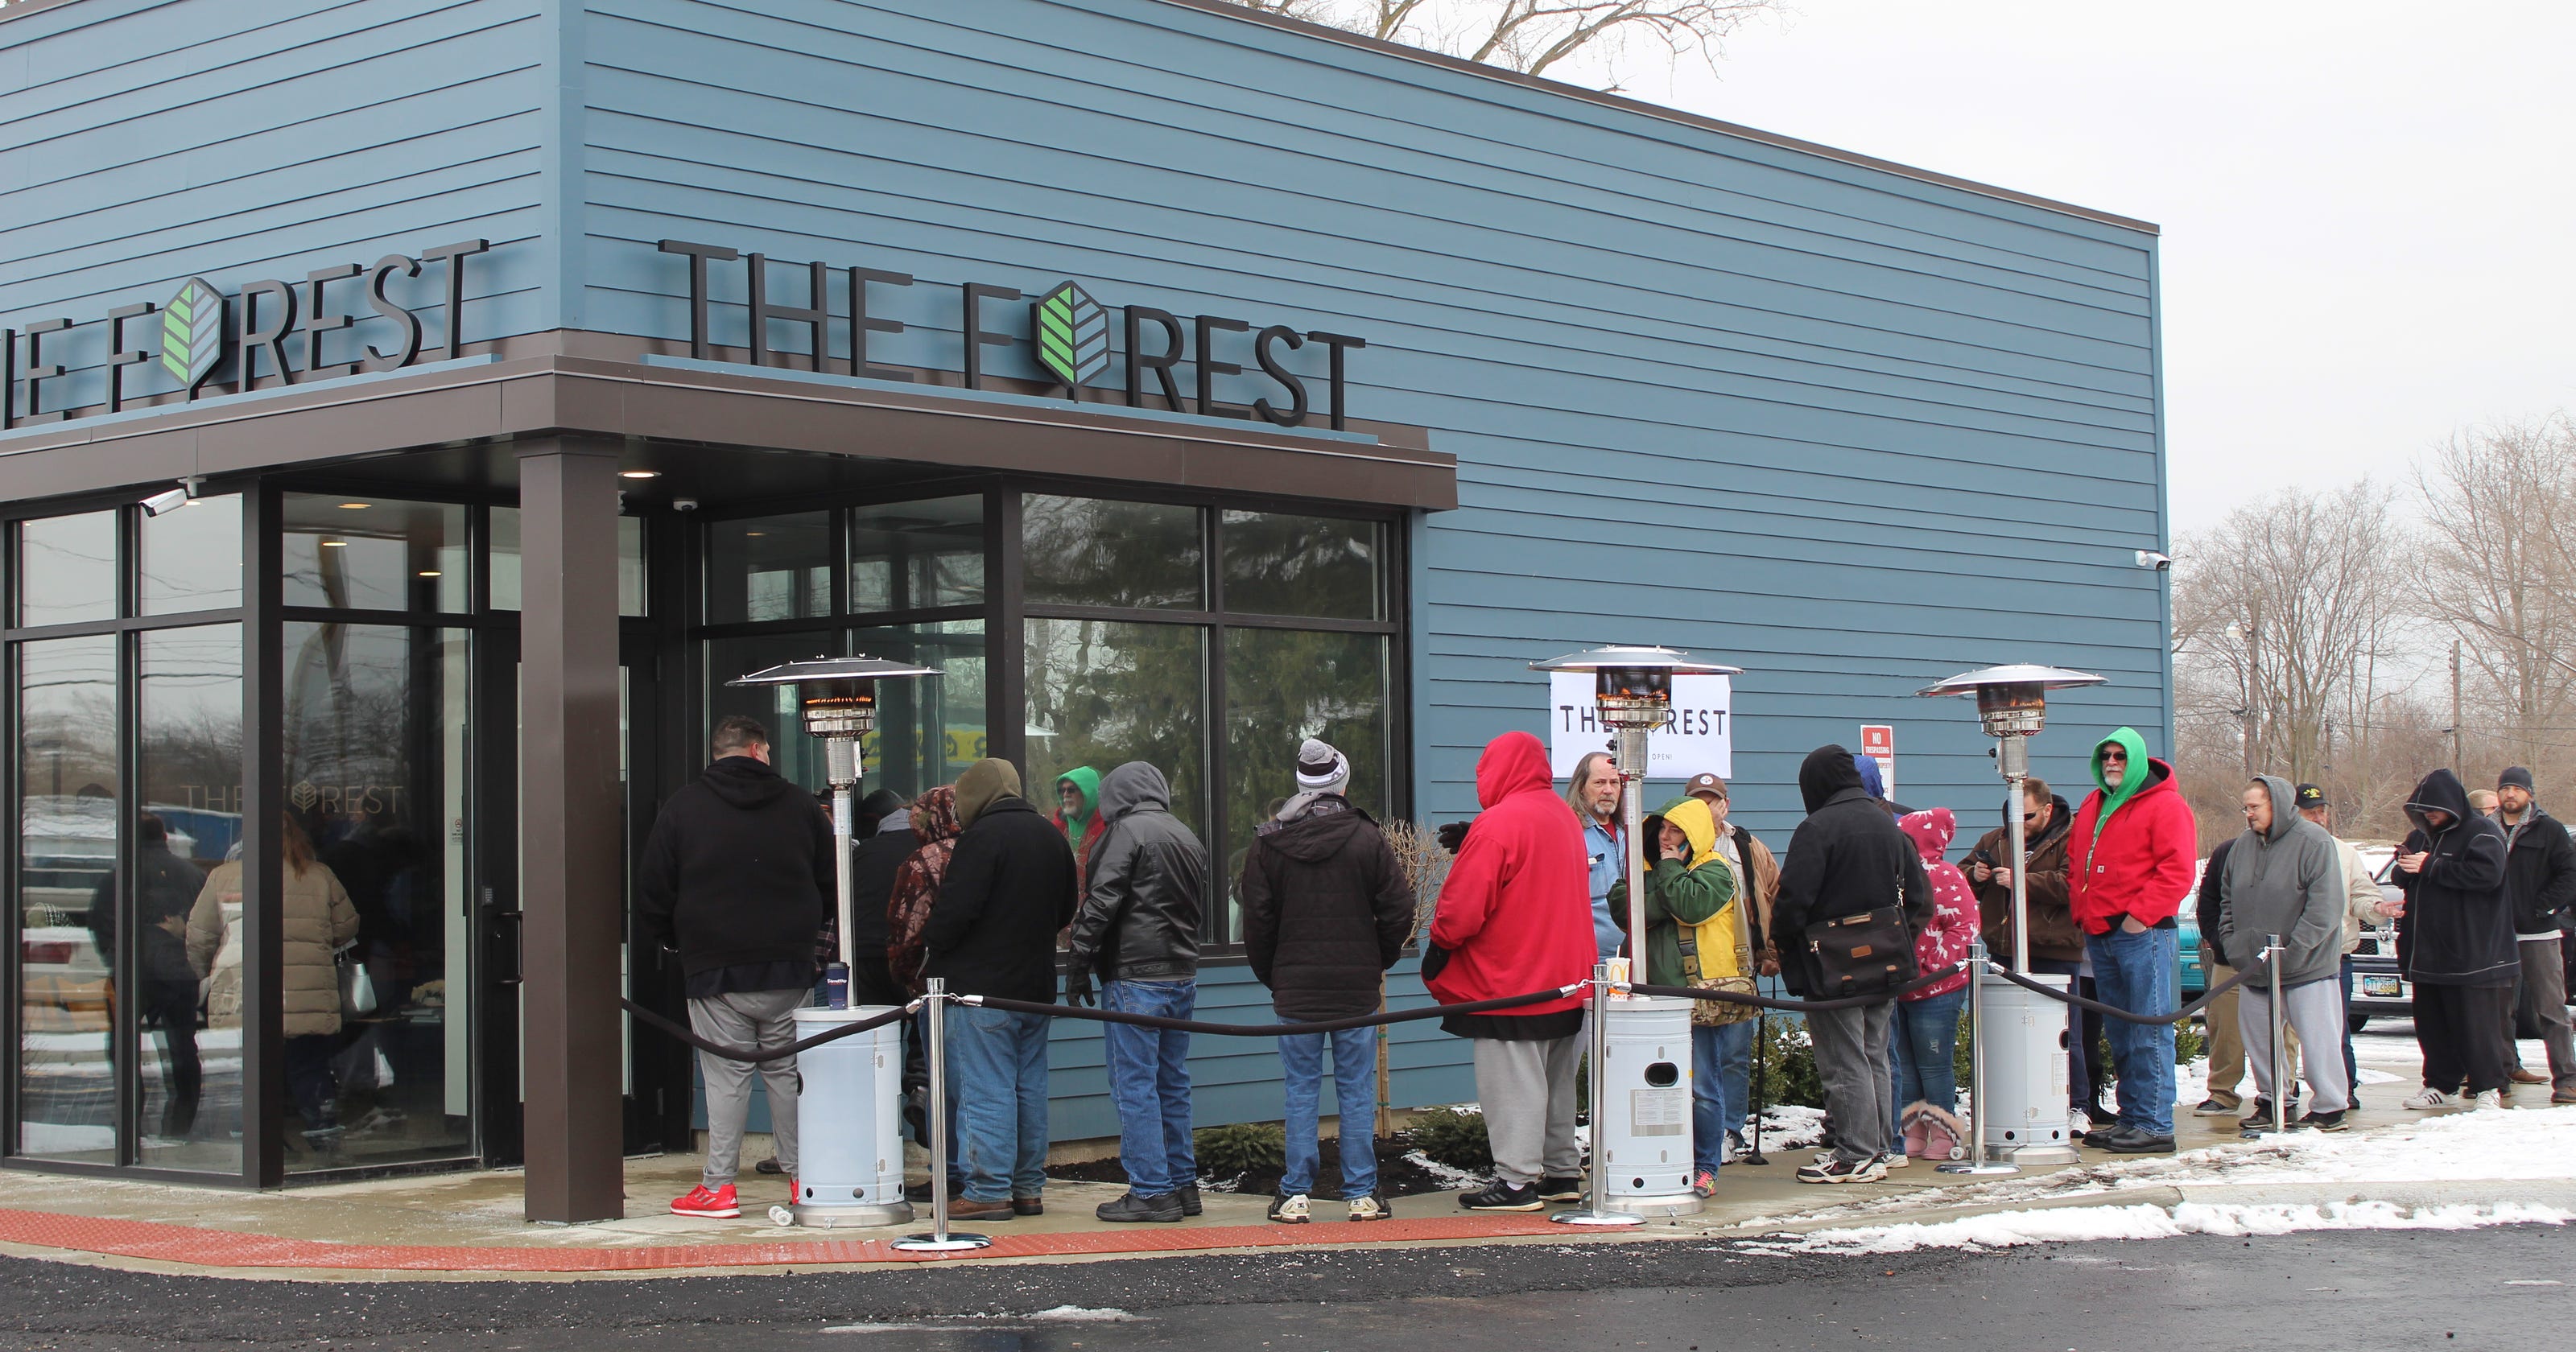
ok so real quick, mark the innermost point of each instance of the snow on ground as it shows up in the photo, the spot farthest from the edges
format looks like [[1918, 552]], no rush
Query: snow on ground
[[2075, 1224], [2521, 1144]]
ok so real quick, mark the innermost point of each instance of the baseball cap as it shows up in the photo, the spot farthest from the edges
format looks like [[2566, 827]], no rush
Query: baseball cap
[[1705, 784], [2309, 795]]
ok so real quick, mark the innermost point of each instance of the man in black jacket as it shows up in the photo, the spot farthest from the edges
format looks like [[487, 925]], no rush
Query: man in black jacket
[[1846, 859], [1138, 928], [1326, 910], [2455, 943], [733, 877], [1010, 887], [2540, 877]]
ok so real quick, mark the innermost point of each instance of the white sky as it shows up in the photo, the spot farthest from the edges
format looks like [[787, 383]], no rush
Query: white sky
[[2369, 208]]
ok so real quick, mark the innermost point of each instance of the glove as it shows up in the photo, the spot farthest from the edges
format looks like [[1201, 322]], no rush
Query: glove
[[1077, 987], [1453, 835]]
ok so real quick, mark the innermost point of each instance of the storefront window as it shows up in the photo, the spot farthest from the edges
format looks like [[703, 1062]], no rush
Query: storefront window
[[374, 554], [1283, 686], [67, 828], [931, 728], [795, 755], [1101, 693], [917, 555], [187, 901], [1276, 564], [67, 569], [505, 562], [375, 719], [1127, 555], [192, 557], [769, 568]]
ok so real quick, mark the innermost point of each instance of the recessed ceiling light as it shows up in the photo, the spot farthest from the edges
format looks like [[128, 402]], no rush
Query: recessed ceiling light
[[335, 544], [353, 506], [639, 474], [429, 572], [753, 534]]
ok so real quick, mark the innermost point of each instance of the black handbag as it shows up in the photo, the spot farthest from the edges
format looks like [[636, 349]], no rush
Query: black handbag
[[1871, 953]]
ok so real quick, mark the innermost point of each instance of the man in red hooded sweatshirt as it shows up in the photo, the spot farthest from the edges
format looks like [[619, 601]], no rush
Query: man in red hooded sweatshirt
[[2129, 865], [1515, 916]]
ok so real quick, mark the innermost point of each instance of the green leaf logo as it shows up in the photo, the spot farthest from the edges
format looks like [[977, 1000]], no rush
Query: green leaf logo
[[1072, 334], [192, 333]]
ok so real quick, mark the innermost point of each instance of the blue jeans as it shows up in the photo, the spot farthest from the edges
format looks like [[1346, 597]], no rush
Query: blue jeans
[[1149, 1081], [1719, 1082], [1922, 1048], [1301, 1065], [2141, 973], [997, 1095]]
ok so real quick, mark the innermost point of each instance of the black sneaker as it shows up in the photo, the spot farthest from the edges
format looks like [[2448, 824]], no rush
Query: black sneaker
[[2139, 1141], [2210, 1107], [1291, 1208], [1190, 1204], [769, 1166], [1131, 1206], [1735, 1145], [1504, 1197], [2316, 1121], [1560, 1189], [1370, 1206], [1840, 1170], [2260, 1118], [2100, 1137]]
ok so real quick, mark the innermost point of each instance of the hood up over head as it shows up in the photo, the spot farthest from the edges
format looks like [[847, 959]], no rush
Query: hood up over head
[[1931, 830], [2285, 809], [2440, 791], [984, 781], [1130, 787], [1512, 763], [1828, 770]]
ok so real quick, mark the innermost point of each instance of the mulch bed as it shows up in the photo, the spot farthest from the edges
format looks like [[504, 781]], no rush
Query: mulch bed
[[1396, 1175]]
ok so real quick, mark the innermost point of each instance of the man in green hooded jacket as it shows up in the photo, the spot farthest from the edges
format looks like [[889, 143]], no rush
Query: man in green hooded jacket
[[1077, 811], [2130, 856]]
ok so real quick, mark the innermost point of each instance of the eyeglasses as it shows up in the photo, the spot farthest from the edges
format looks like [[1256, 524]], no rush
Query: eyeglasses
[[2030, 816]]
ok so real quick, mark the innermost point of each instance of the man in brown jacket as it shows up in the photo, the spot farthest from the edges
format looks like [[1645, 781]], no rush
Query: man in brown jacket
[[2056, 941]]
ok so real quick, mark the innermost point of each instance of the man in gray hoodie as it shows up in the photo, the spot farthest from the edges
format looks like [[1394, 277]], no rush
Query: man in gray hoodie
[[2285, 876]]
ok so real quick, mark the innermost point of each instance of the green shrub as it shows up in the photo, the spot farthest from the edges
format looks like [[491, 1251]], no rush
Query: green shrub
[[1452, 1137], [2189, 1043], [1787, 1063], [1961, 1063], [1250, 1147]]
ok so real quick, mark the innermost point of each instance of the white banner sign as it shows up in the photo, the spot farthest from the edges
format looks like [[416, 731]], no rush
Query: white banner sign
[[1698, 738]]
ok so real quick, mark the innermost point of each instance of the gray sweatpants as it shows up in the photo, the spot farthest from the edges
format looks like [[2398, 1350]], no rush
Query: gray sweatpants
[[1527, 1091], [759, 1020], [2542, 993], [2313, 1010], [1860, 1092]]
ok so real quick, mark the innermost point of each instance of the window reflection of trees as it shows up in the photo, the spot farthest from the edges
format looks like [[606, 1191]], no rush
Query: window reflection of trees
[[1101, 693]]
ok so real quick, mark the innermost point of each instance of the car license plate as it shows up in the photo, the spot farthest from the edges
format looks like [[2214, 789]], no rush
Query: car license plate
[[2381, 988]]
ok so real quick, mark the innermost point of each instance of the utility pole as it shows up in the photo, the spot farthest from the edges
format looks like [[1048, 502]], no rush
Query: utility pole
[[2455, 707]]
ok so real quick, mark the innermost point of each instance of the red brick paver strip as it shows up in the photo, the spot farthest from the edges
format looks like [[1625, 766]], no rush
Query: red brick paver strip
[[157, 1242]]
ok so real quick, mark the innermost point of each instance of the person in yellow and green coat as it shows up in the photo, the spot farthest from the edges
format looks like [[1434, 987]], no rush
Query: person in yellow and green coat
[[1696, 936]]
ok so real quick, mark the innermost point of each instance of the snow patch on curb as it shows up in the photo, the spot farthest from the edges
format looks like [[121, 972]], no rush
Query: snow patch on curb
[[1077, 1314], [2079, 1224]]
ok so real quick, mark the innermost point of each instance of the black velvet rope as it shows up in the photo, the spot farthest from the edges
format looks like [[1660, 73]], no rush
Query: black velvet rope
[[733, 1053], [1270, 1029], [1769, 1002], [2123, 1015]]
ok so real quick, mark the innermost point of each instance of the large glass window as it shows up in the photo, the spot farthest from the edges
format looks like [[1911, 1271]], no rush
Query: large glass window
[[931, 728], [1283, 686], [1103, 692], [375, 717], [374, 553], [67, 569], [917, 555], [1277, 564], [192, 557], [769, 568], [1128, 555], [187, 897], [67, 829], [505, 562]]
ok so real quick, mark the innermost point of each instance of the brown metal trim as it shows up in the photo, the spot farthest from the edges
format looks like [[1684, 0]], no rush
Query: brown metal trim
[[263, 868], [550, 390], [1460, 65], [569, 819]]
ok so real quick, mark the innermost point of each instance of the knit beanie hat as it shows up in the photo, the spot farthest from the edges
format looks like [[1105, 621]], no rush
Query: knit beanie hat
[[2514, 776], [1321, 769]]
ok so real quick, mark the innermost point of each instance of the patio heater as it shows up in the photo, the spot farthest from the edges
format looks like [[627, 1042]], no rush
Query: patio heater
[[2017, 1083], [1641, 1050], [850, 1170]]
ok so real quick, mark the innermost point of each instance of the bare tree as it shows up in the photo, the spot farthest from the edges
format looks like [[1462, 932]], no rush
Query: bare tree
[[2498, 573], [1534, 35]]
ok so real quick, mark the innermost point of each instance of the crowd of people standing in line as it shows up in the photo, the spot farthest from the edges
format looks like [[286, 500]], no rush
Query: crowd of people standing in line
[[975, 885]]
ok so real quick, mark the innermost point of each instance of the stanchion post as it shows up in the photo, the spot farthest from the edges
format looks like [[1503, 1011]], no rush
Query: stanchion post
[[939, 1240], [2280, 1063], [1977, 1100], [1596, 1206]]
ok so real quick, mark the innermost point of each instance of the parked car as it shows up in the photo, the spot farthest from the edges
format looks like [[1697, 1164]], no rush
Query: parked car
[[2195, 978], [2378, 990]]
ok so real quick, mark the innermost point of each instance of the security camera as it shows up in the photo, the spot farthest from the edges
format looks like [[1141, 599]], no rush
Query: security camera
[[2162, 563], [169, 500], [684, 504]]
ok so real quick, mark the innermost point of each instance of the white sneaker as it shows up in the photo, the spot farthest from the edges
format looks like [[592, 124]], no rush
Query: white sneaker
[[2430, 1098], [1895, 1159], [2487, 1100], [2076, 1125]]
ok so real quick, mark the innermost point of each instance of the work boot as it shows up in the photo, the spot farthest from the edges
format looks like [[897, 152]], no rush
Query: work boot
[[969, 1209], [1134, 1206], [1190, 1204], [1028, 1206], [2139, 1141]]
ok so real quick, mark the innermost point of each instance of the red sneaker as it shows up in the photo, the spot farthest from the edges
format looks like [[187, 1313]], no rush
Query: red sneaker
[[715, 1204]]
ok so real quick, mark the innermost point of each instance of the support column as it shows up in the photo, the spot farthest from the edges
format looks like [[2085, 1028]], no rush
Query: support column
[[571, 834]]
